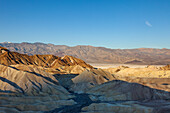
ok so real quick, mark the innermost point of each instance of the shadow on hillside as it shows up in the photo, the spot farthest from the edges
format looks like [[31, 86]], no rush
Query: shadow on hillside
[[65, 79], [136, 89], [19, 89], [39, 75], [47, 78], [14, 68], [157, 83], [83, 99], [6, 91]]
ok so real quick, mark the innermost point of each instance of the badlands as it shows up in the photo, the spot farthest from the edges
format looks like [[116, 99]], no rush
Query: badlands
[[52, 84]]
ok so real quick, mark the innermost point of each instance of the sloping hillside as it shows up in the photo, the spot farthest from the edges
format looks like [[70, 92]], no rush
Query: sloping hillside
[[92, 54], [12, 58]]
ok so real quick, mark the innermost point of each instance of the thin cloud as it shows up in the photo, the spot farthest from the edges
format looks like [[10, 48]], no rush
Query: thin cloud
[[148, 23]]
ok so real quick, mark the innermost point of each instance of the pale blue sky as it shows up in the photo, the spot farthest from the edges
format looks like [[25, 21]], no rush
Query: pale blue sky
[[108, 23]]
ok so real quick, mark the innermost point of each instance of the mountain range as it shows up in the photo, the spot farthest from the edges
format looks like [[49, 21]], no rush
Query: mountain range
[[91, 54]]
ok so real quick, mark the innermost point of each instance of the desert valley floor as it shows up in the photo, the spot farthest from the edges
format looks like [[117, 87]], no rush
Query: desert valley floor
[[105, 66], [51, 84]]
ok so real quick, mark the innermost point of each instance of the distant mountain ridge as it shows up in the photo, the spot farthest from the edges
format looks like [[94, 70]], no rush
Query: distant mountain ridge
[[92, 54], [50, 61]]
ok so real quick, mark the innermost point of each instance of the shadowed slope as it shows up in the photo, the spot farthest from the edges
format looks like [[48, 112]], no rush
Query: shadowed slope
[[122, 90], [19, 89], [89, 79], [29, 83]]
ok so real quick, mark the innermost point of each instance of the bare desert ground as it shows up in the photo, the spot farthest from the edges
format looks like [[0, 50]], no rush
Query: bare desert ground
[[105, 66]]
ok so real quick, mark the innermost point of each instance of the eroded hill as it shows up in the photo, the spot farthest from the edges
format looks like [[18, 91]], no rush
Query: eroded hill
[[51, 84], [11, 58], [95, 54]]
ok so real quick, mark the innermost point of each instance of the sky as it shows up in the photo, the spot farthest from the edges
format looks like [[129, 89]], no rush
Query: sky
[[107, 23]]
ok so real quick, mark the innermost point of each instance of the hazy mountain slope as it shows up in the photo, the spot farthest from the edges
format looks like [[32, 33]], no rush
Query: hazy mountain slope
[[35, 48], [95, 54], [12, 58]]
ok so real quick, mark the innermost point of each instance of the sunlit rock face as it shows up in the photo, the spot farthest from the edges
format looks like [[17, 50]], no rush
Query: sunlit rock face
[[51, 61], [28, 83], [3, 50], [89, 79], [167, 67]]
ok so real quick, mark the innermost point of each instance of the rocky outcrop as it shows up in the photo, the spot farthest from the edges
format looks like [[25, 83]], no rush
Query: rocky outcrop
[[3, 50], [30, 89], [17, 82], [156, 106], [167, 67], [117, 108], [89, 79], [151, 76], [32, 103], [76, 69], [117, 90]]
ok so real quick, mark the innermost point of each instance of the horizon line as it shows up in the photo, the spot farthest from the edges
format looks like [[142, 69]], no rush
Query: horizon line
[[6, 42]]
